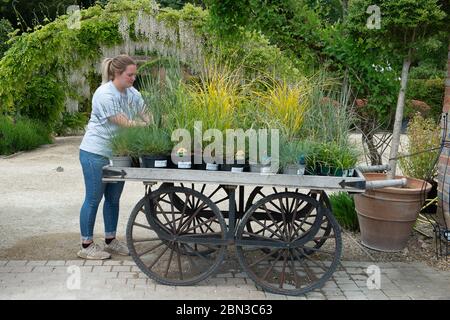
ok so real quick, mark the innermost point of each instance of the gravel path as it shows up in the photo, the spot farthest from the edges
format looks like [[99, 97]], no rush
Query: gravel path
[[41, 195]]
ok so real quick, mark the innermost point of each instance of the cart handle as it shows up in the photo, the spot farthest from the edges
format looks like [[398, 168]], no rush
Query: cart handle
[[378, 184], [382, 167]]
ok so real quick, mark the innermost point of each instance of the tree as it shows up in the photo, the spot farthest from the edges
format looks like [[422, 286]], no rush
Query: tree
[[405, 25], [292, 25], [25, 14], [370, 73], [178, 4]]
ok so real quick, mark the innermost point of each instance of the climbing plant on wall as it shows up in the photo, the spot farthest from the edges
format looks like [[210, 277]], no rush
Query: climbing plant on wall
[[67, 53]]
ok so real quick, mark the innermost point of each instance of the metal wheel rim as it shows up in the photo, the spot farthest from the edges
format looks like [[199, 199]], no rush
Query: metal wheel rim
[[177, 257], [259, 276]]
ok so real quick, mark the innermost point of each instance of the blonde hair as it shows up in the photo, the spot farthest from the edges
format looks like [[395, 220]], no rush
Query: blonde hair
[[118, 64]]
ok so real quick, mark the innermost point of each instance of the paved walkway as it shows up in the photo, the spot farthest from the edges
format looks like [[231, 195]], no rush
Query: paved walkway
[[119, 279]]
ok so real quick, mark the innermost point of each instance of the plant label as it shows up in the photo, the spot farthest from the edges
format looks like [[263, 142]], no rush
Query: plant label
[[160, 163]]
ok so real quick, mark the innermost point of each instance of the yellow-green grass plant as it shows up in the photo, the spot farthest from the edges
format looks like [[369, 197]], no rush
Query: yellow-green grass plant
[[419, 156], [215, 99], [285, 104]]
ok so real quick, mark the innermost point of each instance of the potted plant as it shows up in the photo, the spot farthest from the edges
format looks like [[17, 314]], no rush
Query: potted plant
[[285, 104], [325, 158], [154, 147], [210, 156], [295, 156], [239, 162], [264, 166], [183, 159], [333, 159], [120, 146], [423, 135], [386, 216], [262, 161], [346, 160], [208, 165]]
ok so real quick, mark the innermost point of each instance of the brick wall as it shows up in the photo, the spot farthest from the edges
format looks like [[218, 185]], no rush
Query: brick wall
[[444, 160]]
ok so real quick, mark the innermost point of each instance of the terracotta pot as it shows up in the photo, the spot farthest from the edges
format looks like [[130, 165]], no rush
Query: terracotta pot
[[386, 216]]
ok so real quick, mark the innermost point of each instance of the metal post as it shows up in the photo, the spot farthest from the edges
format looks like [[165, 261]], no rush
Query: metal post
[[241, 201], [231, 213]]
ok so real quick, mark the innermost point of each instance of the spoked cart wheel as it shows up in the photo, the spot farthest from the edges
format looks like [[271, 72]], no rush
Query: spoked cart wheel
[[167, 245], [280, 253], [259, 193]]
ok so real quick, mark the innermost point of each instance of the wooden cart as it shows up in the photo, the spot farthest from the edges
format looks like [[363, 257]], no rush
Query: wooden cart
[[281, 227]]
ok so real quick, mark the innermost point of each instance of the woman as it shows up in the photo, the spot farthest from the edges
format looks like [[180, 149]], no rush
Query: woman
[[115, 104]]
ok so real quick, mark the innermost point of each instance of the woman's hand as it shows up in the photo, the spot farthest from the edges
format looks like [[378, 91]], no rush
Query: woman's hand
[[122, 120], [147, 117], [138, 123]]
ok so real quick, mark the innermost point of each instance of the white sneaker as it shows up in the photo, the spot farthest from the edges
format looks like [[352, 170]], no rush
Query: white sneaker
[[93, 252], [116, 246]]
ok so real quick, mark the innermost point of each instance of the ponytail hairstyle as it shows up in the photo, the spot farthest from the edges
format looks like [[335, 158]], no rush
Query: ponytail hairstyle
[[118, 64]]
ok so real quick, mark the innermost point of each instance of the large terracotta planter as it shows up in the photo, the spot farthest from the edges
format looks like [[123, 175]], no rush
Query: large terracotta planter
[[386, 216]]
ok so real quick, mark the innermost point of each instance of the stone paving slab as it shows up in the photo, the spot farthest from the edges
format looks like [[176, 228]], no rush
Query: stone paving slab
[[116, 279]]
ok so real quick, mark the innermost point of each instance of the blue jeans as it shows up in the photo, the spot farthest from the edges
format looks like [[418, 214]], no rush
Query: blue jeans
[[92, 165]]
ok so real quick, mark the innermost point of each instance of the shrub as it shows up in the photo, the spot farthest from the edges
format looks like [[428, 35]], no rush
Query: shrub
[[343, 207], [424, 134], [71, 122], [43, 101], [5, 29], [24, 134], [430, 91]]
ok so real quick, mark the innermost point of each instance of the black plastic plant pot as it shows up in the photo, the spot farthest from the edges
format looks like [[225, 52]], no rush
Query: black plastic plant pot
[[338, 172], [207, 166], [186, 162], [154, 161], [171, 164], [331, 171], [234, 167], [311, 171], [350, 172], [325, 171], [135, 162]]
